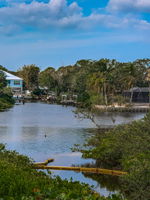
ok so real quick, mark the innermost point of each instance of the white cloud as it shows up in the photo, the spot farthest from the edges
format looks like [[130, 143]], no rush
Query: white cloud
[[129, 5], [58, 14], [40, 14]]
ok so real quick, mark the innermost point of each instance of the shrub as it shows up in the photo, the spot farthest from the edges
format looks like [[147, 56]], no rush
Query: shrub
[[18, 181], [126, 147]]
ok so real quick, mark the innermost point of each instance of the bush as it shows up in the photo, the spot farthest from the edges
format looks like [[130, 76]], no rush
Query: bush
[[126, 147], [6, 100], [118, 99], [18, 181], [97, 99]]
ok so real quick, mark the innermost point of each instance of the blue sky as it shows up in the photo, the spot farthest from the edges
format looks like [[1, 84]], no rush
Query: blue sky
[[60, 32]]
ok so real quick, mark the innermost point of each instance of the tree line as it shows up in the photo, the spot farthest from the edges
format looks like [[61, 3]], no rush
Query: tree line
[[94, 81]]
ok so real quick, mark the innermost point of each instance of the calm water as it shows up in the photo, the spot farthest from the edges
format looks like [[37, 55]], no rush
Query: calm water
[[43, 131]]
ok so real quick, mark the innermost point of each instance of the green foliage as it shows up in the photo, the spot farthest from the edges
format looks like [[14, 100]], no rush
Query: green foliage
[[30, 75], [3, 82], [18, 181], [85, 99], [126, 147], [97, 99], [37, 92], [6, 100], [5, 103], [106, 78], [47, 79], [17, 177], [95, 82], [66, 78], [7, 91], [103, 81], [3, 68], [119, 99]]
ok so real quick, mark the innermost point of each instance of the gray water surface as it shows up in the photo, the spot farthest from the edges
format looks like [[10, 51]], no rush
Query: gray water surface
[[43, 131]]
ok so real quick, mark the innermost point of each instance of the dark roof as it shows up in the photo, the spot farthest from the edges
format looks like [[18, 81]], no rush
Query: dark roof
[[138, 89]]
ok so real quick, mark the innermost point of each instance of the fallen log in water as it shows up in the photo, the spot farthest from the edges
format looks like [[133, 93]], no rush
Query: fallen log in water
[[82, 169], [44, 163]]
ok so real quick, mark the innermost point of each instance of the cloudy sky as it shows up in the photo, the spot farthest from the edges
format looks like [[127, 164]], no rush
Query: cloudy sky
[[60, 32]]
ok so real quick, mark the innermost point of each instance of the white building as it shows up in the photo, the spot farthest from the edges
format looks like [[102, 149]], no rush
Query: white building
[[14, 82]]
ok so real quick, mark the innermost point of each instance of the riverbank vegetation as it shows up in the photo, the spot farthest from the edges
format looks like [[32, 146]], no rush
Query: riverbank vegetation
[[127, 148], [18, 181], [100, 82], [6, 100]]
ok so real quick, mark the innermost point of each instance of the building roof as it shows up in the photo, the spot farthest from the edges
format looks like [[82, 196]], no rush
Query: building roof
[[11, 76], [139, 89]]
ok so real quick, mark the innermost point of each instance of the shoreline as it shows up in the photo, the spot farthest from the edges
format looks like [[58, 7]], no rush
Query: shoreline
[[124, 108], [134, 107]]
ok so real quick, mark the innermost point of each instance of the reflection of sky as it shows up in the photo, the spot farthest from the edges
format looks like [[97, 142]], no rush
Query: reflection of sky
[[67, 159], [38, 114], [49, 140], [111, 119], [43, 131], [24, 128]]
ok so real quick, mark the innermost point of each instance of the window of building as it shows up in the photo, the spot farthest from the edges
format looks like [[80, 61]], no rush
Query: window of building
[[16, 82], [8, 82]]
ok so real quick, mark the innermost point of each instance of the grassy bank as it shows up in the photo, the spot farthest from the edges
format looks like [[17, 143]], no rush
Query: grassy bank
[[18, 181], [126, 147], [6, 102]]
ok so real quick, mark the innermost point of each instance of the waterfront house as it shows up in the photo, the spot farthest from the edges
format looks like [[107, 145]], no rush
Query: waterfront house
[[14, 82], [138, 94]]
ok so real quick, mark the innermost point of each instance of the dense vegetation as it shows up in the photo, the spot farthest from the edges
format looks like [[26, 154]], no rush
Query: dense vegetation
[[6, 100], [126, 147], [95, 82], [18, 181]]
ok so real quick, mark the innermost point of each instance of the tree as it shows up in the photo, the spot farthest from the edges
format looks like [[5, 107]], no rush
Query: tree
[[125, 147], [30, 75], [3, 82], [3, 68], [47, 78], [66, 77], [102, 80]]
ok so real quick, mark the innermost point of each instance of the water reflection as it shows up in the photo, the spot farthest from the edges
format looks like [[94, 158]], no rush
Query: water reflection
[[43, 131], [112, 183], [108, 119]]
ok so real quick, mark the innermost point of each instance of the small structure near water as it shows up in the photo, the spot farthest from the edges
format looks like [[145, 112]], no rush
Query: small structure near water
[[69, 99], [138, 95], [128, 108], [51, 97], [14, 82]]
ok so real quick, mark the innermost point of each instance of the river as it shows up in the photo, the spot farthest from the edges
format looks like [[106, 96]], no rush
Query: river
[[43, 131]]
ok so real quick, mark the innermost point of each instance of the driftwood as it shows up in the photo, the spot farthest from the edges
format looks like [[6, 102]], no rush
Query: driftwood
[[42, 165]]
